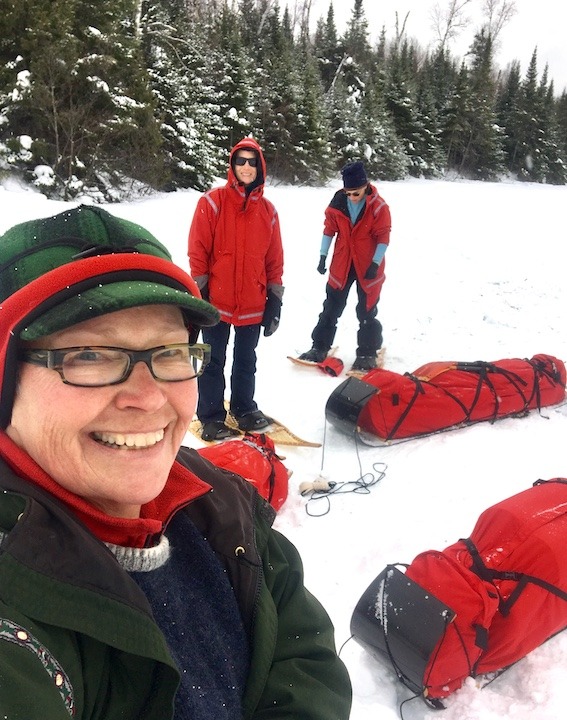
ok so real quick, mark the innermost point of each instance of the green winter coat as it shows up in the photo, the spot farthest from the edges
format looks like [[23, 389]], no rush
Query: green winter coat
[[77, 638]]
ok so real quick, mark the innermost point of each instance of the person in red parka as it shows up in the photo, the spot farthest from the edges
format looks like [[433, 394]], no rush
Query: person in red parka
[[360, 220], [236, 257]]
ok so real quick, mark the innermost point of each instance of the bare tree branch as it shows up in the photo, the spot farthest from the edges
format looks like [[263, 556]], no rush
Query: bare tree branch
[[269, 6], [400, 32], [449, 20], [302, 13], [498, 13]]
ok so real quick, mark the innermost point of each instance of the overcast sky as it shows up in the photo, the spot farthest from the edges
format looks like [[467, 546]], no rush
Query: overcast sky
[[537, 22]]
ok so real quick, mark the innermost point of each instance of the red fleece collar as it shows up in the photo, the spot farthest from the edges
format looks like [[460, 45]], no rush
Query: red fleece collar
[[181, 488]]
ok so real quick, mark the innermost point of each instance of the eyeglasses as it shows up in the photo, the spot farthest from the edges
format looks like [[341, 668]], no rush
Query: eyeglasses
[[355, 193], [252, 161], [98, 366]]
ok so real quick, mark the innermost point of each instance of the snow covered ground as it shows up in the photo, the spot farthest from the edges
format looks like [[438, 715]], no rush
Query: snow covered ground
[[475, 271]]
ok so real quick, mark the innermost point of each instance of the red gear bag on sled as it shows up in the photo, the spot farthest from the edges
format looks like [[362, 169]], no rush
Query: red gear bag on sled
[[478, 606], [443, 395], [254, 458]]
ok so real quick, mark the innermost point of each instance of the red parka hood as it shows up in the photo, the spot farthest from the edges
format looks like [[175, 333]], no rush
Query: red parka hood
[[248, 144]]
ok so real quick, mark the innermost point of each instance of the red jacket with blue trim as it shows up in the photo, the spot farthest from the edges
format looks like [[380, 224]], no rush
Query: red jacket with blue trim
[[356, 244]]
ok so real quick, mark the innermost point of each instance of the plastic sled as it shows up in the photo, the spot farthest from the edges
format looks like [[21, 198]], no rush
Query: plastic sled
[[400, 623]]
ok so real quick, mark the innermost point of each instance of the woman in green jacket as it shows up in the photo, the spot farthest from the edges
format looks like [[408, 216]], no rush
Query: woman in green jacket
[[138, 581]]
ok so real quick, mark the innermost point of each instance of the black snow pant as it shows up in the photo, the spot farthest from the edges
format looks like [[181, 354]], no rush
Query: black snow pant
[[369, 335], [210, 405]]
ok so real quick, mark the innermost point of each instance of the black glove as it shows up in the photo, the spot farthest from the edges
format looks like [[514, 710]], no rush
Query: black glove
[[321, 267], [203, 285], [272, 311], [372, 271]]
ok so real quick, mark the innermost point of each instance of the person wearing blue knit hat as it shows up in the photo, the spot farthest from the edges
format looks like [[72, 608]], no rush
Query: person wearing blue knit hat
[[359, 220]]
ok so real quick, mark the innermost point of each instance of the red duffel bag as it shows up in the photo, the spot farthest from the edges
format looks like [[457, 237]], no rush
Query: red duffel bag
[[481, 604], [441, 395], [254, 458]]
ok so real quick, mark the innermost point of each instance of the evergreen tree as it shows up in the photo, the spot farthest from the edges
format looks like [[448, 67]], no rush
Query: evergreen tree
[[232, 78], [179, 72], [343, 111], [561, 119], [437, 100], [27, 31], [471, 134], [346, 88], [540, 157], [555, 158], [378, 144], [312, 135], [355, 39], [429, 149], [291, 123], [327, 49], [508, 115], [291, 119], [440, 75], [277, 86], [456, 124], [356, 62], [380, 53], [362, 129], [414, 124], [104, 98], [483, 157], [529, 135], [85, 103], [249, 20]]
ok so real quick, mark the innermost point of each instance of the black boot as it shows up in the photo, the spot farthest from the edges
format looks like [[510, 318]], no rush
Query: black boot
[[217, 430], [253, 421], [315, 355], [365, 362]]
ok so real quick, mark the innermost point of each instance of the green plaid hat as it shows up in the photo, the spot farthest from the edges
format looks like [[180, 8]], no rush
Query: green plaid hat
[[31, 249]]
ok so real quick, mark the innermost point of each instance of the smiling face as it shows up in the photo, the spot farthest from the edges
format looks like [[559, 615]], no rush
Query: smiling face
[[246, 174], [113, 445]]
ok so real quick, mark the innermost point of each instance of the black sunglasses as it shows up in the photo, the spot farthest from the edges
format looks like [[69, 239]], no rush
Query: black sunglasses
[[243, 160], [355, 193]]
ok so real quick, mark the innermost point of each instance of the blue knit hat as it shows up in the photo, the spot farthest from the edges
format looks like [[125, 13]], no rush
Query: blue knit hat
[[354, 175]]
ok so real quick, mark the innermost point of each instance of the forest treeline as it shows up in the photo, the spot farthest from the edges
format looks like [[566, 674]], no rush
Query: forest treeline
[[112, 97]]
